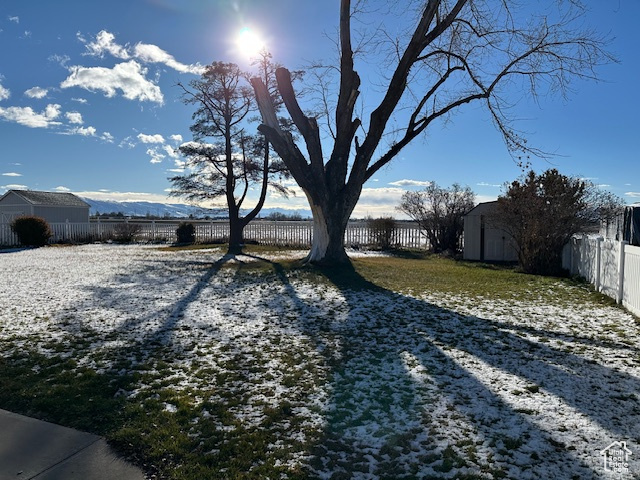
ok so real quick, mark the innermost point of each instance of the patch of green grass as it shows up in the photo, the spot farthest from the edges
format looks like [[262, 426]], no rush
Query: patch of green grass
[[56, 389], [532, 388], [418, 274], [180, 443], [450, 460], [433, 273]]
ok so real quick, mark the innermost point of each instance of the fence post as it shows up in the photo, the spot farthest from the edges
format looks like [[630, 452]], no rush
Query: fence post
[[599, 241], [620, 292]]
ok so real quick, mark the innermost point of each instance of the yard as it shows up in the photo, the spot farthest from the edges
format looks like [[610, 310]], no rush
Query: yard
[[200, 366]]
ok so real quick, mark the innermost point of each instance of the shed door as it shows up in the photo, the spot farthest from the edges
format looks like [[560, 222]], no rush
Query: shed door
[[8, 216]]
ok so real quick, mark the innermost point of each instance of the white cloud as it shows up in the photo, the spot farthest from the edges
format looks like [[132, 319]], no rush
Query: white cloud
[[410, 183], [632, 194], [154, 54], [88, 132], [14, 187], [83, 131], [374, 202], [128, 77], [52, 110], [11, 174], [485, 184], [176, 138], [105, 42], [15, 19], [62, 60], [156, 156], [28, 117], [147, 53], [4, 93], [107, 137], [62, 189], [109, 195], [172, 152], [381, 196], [128, 142], [80, 100], [36, 92], [74, 117], [157, 138]]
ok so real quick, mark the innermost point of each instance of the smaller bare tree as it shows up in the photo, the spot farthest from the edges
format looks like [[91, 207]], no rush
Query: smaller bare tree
[[439, 213], [231, 162]]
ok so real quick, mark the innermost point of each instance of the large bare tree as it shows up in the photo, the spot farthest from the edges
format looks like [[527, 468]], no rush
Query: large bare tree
[[456, 53]]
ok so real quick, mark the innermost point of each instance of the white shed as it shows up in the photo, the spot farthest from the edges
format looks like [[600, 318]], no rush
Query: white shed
[[484, 240], [54, 207]]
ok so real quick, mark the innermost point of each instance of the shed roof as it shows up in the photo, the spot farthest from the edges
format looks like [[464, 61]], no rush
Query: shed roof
[[60, 199], [483, 208]]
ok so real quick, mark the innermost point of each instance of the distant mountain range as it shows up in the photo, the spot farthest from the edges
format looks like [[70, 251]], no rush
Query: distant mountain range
[[173, 210]]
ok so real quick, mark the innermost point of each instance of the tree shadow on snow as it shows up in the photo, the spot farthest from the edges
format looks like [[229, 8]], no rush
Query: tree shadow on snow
[[146, 304], [416, 390], [419, 391]]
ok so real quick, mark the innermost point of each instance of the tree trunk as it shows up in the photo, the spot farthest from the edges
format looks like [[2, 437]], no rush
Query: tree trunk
[[330, 218], [236, 228]]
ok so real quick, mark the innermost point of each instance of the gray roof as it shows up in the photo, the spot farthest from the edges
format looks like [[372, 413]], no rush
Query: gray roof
[[51, 198]]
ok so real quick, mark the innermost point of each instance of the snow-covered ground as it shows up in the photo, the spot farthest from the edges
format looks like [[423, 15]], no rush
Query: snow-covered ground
[[373, 381]]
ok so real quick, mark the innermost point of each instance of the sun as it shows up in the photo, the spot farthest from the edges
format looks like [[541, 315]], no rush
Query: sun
[[249, 42]]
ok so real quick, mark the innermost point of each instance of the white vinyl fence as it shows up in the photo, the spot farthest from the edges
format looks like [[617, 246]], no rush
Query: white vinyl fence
[[285, 233], [72, 232], [612, 266]]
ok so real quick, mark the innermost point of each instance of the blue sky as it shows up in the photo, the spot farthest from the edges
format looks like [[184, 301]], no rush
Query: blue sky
[[88, 101]]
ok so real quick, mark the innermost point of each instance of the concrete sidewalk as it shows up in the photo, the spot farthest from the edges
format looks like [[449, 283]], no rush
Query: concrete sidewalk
[[33, 449]]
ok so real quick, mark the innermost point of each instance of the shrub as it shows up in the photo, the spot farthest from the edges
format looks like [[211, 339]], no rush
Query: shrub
[[541, 212], [382, 231], [31, 231], [126, 232], [186, 233]]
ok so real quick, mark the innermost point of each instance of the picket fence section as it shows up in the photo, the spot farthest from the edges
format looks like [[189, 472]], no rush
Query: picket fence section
[[631, 279], [612, 266], [279, 233], [75, 232]]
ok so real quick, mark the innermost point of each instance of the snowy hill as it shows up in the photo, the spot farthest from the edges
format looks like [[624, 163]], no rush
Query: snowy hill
[[173, 210], [141, 209]]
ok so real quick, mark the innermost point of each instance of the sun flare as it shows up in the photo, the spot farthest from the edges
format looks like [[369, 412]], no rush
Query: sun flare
[[249, 42]]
